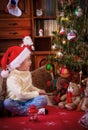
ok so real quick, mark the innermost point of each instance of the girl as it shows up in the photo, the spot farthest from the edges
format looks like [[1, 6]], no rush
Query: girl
[[21, 93]]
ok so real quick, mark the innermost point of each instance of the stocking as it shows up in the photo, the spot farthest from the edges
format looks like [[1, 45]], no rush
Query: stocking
[[12, 8]]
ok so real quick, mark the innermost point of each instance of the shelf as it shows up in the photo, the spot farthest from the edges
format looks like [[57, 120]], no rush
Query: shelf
[[44, 17], [42, 36], [47, 22], [41, 52]]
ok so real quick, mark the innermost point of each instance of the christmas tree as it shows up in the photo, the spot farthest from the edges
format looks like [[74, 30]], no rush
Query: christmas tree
[[70, 41]]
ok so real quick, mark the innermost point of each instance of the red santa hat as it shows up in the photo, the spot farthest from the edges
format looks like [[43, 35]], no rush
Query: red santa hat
[[12, 59]]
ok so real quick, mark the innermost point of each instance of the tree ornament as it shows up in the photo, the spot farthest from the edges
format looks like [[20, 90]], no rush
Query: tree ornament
[[70, 2], [67, 19], [59, 54], [62, 31], [72, 35], [64, 72], [49, 67], [61, 14], [33, 113], [78, 12], [54, 47], [61, 2], [64, 19], [64, 41]]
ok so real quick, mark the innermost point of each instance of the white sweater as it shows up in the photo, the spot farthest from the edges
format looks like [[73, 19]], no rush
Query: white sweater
[[20, 87]]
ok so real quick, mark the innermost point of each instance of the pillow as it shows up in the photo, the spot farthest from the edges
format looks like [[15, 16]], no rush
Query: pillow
[[40, 77]]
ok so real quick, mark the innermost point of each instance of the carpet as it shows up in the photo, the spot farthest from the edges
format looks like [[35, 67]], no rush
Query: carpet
[[57, 119]]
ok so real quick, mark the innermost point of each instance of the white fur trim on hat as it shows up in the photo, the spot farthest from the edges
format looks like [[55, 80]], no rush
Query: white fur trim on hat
[[19, 59], [4, 73]]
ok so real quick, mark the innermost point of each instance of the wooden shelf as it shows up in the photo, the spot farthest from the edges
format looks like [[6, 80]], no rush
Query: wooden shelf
[[45, 17], [41, 52], [46, 22], [13, 28], [43, 36]]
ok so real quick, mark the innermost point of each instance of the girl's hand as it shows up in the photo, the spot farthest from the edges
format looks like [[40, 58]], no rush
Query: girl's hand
[[42, 92]]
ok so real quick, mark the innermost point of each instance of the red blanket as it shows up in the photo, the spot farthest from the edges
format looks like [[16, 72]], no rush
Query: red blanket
[[57, 119]]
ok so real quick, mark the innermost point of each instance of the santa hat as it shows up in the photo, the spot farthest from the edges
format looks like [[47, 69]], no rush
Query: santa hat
[[12, 59]]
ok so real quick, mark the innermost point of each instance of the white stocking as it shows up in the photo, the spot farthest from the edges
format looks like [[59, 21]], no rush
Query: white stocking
[[13, 9]]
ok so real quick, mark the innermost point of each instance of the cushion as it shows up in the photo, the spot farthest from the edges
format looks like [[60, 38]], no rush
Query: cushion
[[40, 77]]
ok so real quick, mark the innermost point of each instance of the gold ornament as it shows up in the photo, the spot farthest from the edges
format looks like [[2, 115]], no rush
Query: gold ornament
[[64, 41], [59, 54]]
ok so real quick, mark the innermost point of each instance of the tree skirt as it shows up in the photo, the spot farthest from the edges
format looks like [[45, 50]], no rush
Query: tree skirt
[[57, 119]]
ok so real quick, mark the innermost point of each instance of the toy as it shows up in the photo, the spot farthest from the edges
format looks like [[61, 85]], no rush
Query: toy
[[71, 99], [40, 32], [61, 89], [27, 42], [84, 104], [61, 84], [33, 113], [83, 121], [39, 12]]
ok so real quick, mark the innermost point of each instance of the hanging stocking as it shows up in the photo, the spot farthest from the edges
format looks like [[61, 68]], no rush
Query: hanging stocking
[[12, 8]]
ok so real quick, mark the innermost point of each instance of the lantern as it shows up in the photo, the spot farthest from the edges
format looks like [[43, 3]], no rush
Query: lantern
[[33, 113]]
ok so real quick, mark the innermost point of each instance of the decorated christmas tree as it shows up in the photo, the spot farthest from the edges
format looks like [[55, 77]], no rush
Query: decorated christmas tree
[[69, 46]]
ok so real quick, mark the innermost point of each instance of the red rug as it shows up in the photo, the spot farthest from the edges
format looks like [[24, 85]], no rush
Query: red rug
[[57, 119]]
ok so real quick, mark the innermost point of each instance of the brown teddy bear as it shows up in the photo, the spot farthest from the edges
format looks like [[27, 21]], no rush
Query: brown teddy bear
[[61, 89], [61, 84], [71, 99]]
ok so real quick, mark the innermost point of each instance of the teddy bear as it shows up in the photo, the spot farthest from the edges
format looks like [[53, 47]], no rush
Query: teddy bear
[[72, 98], [61, 89], [62, 83]]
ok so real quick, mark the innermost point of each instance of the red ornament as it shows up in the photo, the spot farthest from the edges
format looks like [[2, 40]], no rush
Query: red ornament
[[62, 31], [33, 113], [64, 72], [72, 35]]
